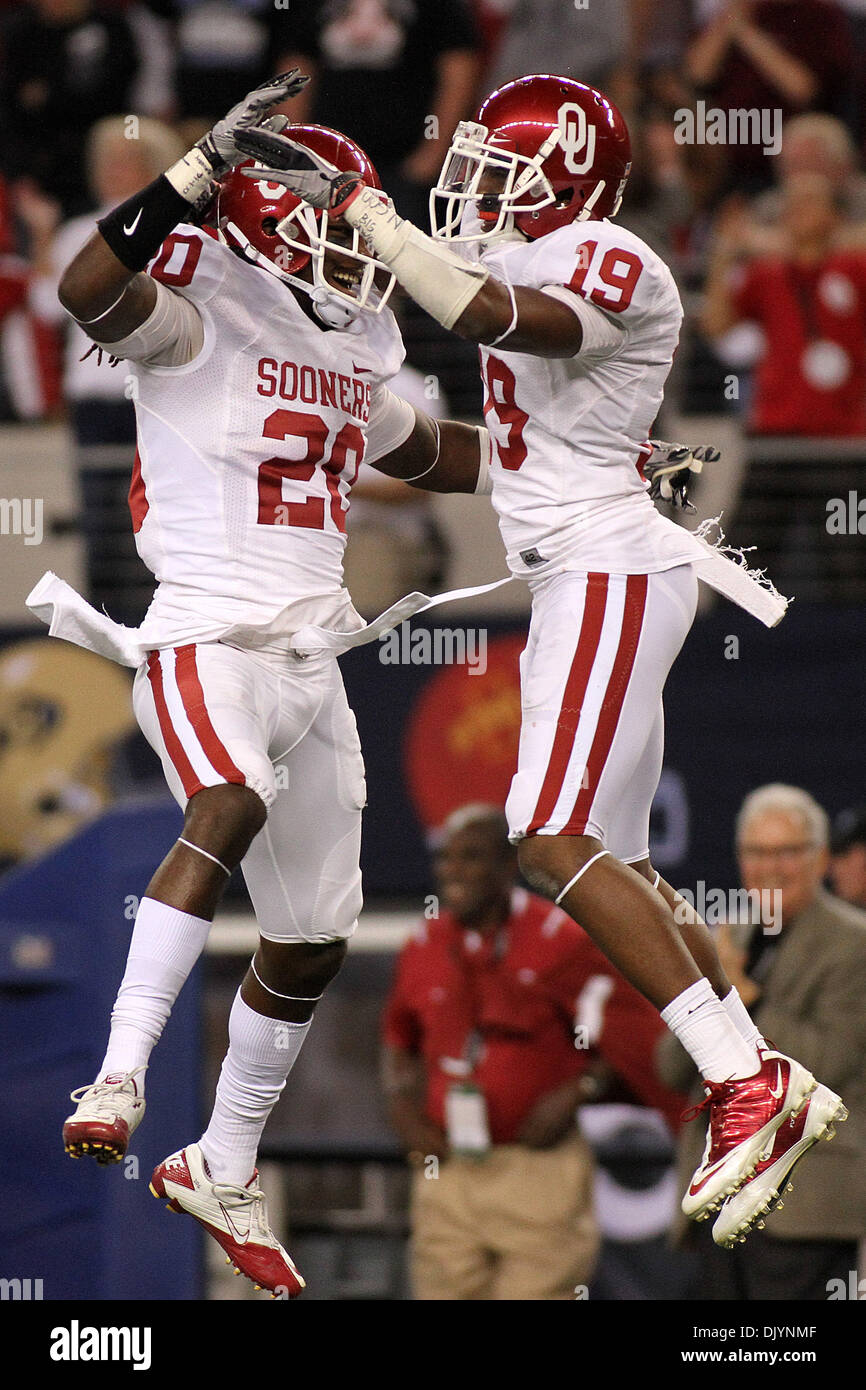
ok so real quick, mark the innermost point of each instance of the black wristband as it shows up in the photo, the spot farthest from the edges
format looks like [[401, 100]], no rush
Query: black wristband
[[137, 228]]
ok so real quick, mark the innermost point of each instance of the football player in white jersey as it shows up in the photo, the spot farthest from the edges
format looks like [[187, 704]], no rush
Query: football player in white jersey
[[259, 347], [577, 321]]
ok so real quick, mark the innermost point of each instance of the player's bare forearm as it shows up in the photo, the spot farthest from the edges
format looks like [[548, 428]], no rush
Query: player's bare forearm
[[95, 281], [415, 461], [545, 327]]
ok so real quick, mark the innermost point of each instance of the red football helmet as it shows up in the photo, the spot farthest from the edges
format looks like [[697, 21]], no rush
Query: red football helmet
[[277, 231], [543, 151]]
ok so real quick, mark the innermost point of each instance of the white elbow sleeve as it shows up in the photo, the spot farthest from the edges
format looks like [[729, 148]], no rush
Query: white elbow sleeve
[[484, 486], [601, 335], [437, 279], [171, 337]]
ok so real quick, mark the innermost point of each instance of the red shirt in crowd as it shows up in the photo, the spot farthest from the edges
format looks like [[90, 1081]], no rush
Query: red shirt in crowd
[[530, 993], [811, 378]]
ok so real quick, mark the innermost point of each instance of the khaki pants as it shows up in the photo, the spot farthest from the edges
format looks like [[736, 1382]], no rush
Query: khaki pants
[[517, 1224]]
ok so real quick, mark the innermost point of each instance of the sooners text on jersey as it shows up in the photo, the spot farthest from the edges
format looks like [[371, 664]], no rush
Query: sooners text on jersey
[[246, 456]]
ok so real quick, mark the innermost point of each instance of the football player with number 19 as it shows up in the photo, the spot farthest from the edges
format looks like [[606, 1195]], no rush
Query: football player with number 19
[[577, 321], [259, 346]]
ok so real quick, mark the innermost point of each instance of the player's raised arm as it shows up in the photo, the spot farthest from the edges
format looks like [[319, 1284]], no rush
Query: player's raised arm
[[432, 455], [103, 287]]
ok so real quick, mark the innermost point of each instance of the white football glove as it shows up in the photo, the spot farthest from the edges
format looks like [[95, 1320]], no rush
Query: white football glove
[[220, 144], [671, 467]]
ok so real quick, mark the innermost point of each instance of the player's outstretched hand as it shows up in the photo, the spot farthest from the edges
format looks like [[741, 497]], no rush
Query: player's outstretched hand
[[670, 469], [310, 178], [220, 144]]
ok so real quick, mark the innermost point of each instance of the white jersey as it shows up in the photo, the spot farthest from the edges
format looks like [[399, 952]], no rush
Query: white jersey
[[247, 454], [569, 434]]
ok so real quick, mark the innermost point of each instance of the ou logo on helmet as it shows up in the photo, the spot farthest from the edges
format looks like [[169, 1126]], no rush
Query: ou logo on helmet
[[271, 192], [576, 136]]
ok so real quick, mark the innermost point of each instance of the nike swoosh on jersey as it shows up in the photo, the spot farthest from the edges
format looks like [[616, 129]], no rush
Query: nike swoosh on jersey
[[131, 228], [359, 370]]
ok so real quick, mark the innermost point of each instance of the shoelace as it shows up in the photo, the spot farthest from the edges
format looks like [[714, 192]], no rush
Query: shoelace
[[253, 1198], [237, 1196], [715, 1093], [104, 1093]]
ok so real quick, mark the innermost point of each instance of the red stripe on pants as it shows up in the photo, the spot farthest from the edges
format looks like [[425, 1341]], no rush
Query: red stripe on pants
[[572, 699], [614, 696], [173, 745], [192, 695]]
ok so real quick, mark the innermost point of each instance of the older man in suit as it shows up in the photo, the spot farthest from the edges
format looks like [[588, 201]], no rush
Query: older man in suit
[[802, 974]]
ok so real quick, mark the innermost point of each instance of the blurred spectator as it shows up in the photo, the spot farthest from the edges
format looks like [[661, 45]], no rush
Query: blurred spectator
[[222, 50], [396, 78], [615, 44], [818, 144], [805, 294], [502, 1019], [848, 856], [153, 92], [29, 378], [491, 18], [585, 43], [799, 317], [671, 201], [394, 543], [102, 416], [65, 64], [773, 55], [804, 984], [659, 204]]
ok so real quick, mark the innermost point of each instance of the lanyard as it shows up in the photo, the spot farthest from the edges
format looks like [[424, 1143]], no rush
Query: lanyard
[[804, 296], [474, 1045]]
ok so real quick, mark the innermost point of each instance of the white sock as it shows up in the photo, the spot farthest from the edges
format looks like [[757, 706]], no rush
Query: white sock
[[165, 945], [700, 1021], [262, 1052], [742, 1019]]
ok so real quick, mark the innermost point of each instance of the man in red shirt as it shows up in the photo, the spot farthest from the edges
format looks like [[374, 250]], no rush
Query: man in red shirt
[[503, 1018], [808, 302], [798, 318]]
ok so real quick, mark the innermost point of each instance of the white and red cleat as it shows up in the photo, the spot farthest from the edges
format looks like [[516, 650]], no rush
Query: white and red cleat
[[236, 1217], [760, 1195], [744, 1117], [106, 1116]]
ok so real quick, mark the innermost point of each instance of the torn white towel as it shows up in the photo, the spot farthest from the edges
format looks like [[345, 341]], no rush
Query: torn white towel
[[726, 570], [316, 639], [71, 617]]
